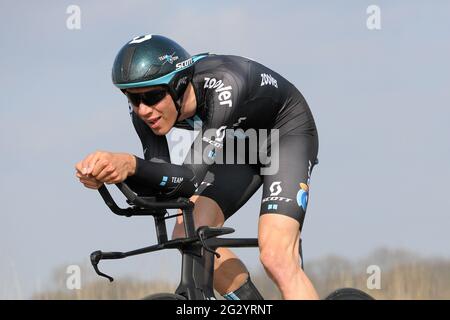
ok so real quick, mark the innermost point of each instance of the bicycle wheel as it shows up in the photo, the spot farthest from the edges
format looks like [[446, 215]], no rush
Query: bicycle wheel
[[348, 294], [164, 296]]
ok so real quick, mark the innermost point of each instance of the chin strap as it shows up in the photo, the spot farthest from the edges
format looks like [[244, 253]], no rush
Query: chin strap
[[178, 101], [178, 107]]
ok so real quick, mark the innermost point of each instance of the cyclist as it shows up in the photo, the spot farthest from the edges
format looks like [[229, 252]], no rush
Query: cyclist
[[166, 87]]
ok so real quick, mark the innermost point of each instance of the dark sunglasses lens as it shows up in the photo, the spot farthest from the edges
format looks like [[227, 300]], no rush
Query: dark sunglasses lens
[[134, 98], [149, 98], [153, 97]]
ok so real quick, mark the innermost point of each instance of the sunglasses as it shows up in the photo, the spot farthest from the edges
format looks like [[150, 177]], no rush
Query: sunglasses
[[149, 98]]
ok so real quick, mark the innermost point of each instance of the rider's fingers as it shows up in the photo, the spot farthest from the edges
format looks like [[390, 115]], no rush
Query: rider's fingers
[[79, 166], [114, 178], [99, 167], [90, 182], [90, 161], [110, 176], [93, 185], [88, 179], [105, 174], [85, 163]]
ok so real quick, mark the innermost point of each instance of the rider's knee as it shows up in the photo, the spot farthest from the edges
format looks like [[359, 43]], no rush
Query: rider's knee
[[208, 212], [279, 260]]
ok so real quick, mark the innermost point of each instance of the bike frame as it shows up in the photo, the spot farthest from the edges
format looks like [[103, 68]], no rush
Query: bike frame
[[198, 248]]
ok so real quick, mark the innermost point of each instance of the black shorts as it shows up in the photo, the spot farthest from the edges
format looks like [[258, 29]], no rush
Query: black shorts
[[284, 192]]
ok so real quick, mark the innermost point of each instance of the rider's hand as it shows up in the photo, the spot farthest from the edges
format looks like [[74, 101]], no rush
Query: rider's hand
[[105, 167], [89, 181]]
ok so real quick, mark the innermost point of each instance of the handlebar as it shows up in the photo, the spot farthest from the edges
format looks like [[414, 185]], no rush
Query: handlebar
[[141, 205], [156, 207]]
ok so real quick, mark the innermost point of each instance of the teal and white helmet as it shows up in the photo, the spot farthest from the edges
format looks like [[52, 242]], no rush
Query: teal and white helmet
[[154, 60]]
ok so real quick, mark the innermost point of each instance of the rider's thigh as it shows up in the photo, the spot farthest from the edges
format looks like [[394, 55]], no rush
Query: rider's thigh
[[206, 213], [278, 238], [287, 192], [230, 185]]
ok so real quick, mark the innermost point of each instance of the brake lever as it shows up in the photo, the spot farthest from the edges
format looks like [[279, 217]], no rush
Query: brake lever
[[98, 255]]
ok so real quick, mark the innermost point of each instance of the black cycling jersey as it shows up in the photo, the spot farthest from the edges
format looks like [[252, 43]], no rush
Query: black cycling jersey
[[234, 93]]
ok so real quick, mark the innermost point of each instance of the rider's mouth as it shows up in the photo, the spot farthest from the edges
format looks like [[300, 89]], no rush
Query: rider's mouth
[[154, 122]]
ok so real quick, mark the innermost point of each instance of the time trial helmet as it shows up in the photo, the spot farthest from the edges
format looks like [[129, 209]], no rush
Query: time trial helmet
[[154, 60]]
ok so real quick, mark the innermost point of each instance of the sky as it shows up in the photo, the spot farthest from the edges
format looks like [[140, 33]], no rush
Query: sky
[[378, 98]]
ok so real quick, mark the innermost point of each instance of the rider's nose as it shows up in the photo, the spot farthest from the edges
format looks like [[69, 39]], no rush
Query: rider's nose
[[144, 110]]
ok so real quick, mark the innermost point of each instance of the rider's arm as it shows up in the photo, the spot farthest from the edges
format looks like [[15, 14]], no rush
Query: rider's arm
[[156, 176], [155, 173]]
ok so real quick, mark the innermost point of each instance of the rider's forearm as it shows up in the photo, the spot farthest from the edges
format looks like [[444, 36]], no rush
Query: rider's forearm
[[151, 176]]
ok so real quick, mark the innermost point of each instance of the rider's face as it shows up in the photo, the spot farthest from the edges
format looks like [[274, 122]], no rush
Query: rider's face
[[161, 116]]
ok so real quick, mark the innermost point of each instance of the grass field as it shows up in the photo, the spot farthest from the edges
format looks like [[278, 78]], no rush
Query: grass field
[[403, 275]]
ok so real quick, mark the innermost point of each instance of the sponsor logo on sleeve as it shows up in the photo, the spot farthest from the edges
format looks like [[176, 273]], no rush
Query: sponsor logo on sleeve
[[302, 196], [177, 179], [275, 190], [303, 193]]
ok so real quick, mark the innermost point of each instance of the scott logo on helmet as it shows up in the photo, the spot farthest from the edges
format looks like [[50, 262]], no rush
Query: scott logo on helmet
[[184, 64], [224, 92]]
